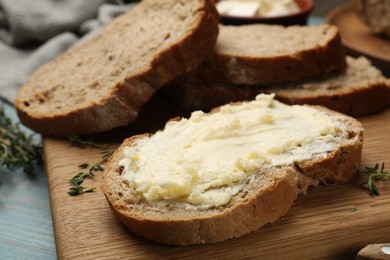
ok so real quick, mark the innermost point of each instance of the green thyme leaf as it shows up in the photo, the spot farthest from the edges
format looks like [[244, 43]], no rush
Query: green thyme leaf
[[77, 179], [17, 149], [89, 169], [76, 190], [375, 174], [84, 166]]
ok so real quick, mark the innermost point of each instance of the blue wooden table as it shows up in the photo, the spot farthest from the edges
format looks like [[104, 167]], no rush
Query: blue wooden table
[[26, 230]]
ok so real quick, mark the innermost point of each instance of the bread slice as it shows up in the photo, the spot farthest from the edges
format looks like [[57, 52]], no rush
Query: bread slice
[[103, 83], [360, 90], [265, 54], [263, 196]]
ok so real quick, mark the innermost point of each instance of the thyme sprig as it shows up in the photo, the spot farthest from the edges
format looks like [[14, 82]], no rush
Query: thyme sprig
[[88, 170], [375, 173], [17, 149]]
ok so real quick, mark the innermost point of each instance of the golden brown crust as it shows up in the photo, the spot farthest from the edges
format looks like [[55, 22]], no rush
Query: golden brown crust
[[264, 200], [121, 106]]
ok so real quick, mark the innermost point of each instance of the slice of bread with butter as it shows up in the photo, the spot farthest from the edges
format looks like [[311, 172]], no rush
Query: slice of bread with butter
[[226, 173], [360, 90]]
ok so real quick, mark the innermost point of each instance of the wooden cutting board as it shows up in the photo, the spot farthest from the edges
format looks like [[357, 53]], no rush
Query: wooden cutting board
[[332, 222]]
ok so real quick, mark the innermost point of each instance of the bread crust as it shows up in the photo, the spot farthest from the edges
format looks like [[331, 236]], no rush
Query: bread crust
[[262, 201], [122, 104]]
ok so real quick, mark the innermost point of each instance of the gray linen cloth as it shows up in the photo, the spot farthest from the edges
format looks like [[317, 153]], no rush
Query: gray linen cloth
[[33, 32]]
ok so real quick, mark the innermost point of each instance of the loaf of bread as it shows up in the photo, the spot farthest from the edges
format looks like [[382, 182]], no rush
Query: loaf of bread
[[360, 90], [103, 83], [227, 173], [265, 54], [376, 13]]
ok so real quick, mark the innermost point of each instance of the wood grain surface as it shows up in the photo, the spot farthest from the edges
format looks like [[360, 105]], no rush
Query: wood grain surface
[[330, 222]]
